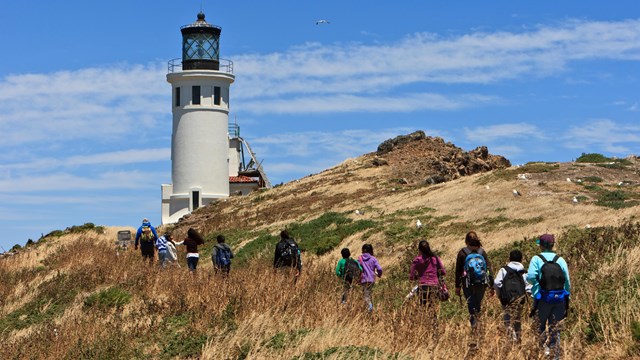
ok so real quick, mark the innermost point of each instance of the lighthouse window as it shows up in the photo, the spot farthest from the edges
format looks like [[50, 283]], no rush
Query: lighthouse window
[[195, 95], [177, 98], [216, 95]]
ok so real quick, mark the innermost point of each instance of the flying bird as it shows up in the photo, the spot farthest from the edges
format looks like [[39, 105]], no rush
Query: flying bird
[[516, 193], [322, 21]]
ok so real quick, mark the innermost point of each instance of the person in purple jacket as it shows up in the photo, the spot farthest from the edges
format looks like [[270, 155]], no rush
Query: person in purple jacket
[[425, 268], [370, 268]]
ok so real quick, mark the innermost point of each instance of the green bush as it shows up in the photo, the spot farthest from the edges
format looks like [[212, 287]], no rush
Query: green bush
[[111, 297], [322, 234], [596, 158], [616, 199]]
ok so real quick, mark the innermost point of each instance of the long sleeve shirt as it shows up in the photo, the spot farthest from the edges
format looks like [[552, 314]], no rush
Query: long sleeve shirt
[[341, 265], [370, 268], [516, 266], [535, 271], [425, 270]]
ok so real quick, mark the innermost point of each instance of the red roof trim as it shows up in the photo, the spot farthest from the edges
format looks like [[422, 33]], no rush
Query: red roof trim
[[242, 179]]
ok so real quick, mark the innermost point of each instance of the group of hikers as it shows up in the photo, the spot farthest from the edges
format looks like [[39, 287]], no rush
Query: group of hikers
[[546, 281]]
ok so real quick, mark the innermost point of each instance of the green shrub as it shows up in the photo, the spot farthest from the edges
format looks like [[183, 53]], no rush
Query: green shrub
[[615, 199], [596, 158], [592, 158], [322, 234], [108, 298]]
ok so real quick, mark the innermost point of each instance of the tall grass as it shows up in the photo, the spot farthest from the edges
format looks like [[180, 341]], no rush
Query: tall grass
[[90, 303]]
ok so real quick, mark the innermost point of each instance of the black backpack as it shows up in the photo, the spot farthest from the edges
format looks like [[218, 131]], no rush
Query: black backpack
[[352, 270], [551, 275], [289, 253], [513, 286]]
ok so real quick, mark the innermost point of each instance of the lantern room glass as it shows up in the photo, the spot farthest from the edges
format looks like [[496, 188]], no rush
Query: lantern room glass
[[200, 46]]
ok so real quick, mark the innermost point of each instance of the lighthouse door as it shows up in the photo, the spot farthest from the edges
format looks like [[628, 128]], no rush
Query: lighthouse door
[[195, 199]]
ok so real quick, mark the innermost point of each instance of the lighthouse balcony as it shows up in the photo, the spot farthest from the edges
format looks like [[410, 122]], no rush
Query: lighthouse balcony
[[224, 65]]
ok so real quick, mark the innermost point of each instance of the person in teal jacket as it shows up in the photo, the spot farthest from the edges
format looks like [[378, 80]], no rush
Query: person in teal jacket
[[550, 293], [347, 273]]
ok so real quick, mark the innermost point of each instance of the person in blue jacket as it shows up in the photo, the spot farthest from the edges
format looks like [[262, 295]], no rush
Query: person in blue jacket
[[146, 236], [549, 276]]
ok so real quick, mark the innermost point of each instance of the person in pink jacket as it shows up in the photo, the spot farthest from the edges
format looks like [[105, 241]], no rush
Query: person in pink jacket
[[370, 268], [425, 268]]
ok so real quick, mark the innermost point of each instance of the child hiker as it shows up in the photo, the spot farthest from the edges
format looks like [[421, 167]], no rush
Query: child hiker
[[370, 268], [348, 270], [512, 288]]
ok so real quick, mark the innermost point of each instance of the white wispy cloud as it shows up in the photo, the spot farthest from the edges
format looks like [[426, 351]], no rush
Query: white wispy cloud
[[133, 156], [478, 57], [604, 135], [353, 103], [60, 181], [334, 144], [486, 134], [97, 104]]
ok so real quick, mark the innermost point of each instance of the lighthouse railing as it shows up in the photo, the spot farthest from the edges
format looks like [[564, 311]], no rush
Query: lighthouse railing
[[175, 65]]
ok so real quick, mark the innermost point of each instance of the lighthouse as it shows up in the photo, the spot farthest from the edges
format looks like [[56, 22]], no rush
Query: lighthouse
[[200, 151]]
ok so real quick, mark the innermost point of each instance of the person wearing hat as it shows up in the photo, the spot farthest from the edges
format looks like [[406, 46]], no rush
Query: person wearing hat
[[549, 276], [146, 236]]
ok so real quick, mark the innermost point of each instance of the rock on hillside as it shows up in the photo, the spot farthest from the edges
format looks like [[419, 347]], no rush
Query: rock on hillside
[[419, 158]]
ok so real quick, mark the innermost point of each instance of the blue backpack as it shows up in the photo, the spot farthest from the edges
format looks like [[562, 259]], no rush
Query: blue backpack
[[223, 257], [475, 268]]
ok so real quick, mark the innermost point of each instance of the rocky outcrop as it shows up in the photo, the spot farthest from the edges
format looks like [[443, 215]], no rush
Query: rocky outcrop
[[389, 145], [423, 159]]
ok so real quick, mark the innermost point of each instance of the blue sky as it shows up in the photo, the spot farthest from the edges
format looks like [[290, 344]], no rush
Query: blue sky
[[85, 109]]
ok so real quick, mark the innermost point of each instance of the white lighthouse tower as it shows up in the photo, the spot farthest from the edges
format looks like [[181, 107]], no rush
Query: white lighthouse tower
[[200, 138]]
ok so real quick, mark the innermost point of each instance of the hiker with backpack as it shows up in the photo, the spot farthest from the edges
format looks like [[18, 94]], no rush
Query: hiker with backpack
[[288, 254], [426, 268], [370, 268], [549, 276], [191, 243], [348, 270], [146, 236], [473, 276], [221, 256], [512, 288]]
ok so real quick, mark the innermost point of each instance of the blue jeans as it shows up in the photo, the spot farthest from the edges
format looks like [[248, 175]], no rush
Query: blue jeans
[[474, 295], [192, 262], [162, 257]]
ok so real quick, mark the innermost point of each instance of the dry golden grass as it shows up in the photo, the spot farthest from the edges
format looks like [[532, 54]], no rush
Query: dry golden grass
[[260, 314]]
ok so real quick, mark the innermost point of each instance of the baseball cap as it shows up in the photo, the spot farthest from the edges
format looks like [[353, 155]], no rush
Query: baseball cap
[[546, 239]]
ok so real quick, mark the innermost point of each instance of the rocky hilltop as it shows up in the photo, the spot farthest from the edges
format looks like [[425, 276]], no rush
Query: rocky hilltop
[[417, 158]]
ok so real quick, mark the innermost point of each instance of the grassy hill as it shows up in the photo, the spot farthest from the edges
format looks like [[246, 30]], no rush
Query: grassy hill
[[72, 295]]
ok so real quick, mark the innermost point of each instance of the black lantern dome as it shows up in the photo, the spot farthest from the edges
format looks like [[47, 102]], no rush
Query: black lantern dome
[[200, 45]]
